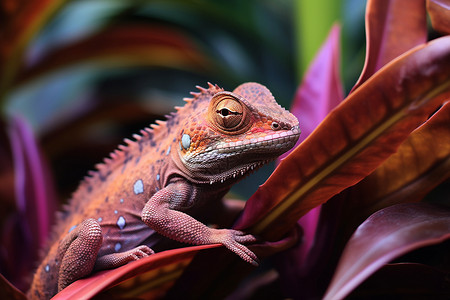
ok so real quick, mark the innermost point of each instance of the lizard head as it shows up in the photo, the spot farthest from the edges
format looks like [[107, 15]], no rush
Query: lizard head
[[234, 132]]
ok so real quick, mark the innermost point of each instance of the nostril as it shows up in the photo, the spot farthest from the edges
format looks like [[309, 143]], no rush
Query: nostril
[[296, 129], [275, 126]]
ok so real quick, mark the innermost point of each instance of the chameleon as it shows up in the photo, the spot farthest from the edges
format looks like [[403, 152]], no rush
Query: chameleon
[[166, 183]]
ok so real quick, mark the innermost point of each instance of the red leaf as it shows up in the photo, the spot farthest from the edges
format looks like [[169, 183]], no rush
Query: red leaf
[[392, 28], [20, 20], [8, 291], [123, 45], [439, 11], [421, 163], [148, 277], [353, 140], [386, 235]]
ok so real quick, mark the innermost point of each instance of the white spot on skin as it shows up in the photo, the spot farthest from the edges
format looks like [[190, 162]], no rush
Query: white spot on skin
[[121, 200], [121, 222], [47, 268], [115, 212], [186, 141], [72, 228], [100, 219], [157, 177], [168, 151], [117, 246], [138, 187]]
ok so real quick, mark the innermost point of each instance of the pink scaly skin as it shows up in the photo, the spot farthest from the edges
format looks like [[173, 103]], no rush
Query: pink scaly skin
[[165, 183]]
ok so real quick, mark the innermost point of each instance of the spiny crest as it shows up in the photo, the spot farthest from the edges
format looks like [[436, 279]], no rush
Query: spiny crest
[[211, 90], [118, 155]]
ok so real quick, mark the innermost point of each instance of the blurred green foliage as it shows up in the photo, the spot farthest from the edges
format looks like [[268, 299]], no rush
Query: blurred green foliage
[[269, 42]]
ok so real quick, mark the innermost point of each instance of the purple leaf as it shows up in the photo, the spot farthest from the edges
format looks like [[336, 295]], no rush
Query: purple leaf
[[385, 235], [34, 198], [320, 92], [27, 229], [321, 88]]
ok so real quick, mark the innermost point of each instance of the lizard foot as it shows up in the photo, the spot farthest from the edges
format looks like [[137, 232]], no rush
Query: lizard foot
[[115, 260], [233, 239], [77, 252]]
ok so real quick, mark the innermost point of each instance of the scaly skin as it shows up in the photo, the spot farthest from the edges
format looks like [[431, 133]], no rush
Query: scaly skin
[[163, 183]]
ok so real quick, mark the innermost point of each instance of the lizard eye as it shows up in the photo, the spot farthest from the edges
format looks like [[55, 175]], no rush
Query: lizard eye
[[228, 113]]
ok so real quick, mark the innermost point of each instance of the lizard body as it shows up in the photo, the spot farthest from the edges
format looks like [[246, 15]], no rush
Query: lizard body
[[164, 182]]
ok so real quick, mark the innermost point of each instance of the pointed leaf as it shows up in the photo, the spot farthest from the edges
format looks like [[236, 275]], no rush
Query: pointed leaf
[[148, 277], [353, 140], [321, 88], [8, 291], [392, 28], [26, 230], [310, 32], [19, 23], [34, 195], [439, 11], [421, 163], [320, 92], [130, 45], [201, 280], [386, 235]]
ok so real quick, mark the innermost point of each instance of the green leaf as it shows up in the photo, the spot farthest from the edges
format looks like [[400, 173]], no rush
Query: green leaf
[[313, 20]]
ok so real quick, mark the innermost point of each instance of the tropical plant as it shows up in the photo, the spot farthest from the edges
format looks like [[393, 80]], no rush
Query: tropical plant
[[367, 184]]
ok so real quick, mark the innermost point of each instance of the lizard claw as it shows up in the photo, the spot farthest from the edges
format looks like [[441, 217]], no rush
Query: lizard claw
[[233, 239], [140, 252], [115, 260]]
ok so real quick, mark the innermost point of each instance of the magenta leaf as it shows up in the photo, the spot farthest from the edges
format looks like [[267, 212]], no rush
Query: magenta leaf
[[26, 230], [34, 196], [319, 93], [387, 234], [321, 88]]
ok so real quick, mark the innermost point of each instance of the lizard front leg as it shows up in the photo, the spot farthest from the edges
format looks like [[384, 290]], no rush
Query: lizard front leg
[[161, 213], [78, 252]]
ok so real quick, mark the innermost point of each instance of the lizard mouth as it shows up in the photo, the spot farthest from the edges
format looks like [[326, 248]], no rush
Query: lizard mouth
[[233, 160]]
